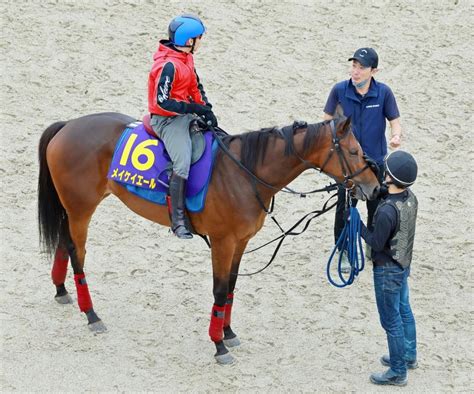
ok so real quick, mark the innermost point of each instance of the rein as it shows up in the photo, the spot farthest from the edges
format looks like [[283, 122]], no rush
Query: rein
[[345, 166], [255, 179], [346, 170], [290, 232]]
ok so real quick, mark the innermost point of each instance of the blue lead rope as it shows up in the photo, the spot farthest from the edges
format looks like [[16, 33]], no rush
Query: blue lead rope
[[349, 242]]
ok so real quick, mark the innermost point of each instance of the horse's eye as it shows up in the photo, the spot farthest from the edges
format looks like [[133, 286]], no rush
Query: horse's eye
[[354, 152]]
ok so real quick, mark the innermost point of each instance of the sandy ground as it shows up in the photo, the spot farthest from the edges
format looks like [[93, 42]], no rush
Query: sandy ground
[[263, 63]]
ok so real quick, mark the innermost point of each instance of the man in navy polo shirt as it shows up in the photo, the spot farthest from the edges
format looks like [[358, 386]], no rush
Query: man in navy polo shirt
[[369, 104]]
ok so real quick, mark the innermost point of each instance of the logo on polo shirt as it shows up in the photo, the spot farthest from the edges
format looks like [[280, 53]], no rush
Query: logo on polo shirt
[[372, 106]]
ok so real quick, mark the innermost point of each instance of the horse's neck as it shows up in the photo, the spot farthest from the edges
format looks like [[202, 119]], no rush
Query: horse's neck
[[280, 170]]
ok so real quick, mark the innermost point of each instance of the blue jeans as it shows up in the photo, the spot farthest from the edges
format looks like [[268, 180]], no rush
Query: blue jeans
[[396, 317]]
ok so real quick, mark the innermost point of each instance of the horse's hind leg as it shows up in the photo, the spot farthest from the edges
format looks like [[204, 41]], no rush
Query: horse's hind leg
[[230, 338], [77, 252], [58, 275]]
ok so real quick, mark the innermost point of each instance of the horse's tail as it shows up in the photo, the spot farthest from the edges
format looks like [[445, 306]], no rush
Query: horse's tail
[[52, 217]]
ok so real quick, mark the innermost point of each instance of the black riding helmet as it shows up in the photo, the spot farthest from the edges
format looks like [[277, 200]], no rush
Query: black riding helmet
[[402, 168]]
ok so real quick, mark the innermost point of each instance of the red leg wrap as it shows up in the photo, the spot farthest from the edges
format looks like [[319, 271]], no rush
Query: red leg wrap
[[216, 328], [228, 309], [83, 296], [59, 271]]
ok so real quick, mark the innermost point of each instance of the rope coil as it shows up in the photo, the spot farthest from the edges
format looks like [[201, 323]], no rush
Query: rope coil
[[349, 242]]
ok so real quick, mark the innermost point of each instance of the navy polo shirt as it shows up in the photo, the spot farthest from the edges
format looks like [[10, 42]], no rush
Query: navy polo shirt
[[368, 114]]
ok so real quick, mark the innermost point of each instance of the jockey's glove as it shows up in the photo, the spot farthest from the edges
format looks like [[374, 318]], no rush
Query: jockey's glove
[[198, 109], [210, 119], [204, 111]]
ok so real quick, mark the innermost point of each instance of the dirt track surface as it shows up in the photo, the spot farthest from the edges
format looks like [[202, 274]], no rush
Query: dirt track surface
[[262, 64]]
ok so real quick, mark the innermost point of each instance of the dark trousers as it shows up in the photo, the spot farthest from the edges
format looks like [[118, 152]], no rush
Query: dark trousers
[[341, 206]]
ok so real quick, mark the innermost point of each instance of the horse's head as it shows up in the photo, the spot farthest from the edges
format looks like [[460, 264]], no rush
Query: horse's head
[[344, 160]]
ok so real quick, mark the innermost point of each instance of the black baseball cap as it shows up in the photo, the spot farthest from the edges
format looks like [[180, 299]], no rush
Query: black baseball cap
[[367, 57]]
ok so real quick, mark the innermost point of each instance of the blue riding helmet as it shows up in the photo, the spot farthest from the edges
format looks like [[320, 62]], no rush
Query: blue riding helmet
[[184, 27]]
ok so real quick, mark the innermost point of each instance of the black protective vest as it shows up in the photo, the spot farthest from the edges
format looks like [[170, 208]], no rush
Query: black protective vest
[[401, 244]]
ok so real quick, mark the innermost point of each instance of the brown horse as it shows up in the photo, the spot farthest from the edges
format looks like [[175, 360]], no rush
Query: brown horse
[[74, 160]]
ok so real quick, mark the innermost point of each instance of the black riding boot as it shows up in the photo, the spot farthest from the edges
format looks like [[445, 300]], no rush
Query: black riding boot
[[177, 194]]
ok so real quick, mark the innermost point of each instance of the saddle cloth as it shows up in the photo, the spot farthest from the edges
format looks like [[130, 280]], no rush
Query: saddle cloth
[[141, 164]]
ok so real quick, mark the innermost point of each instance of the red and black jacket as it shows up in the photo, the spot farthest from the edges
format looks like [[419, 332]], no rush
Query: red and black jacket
[[173, 82]]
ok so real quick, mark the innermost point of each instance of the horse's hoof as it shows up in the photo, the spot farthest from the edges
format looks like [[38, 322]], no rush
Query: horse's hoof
[[230, 337], [222, 356], [224, 359], [232, 342], [63, 299], [98, 327]]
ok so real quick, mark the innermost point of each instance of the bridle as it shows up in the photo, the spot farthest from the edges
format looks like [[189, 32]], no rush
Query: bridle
[[344, 163]]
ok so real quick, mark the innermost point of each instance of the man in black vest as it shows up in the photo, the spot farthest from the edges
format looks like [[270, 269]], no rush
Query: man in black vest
[[392, 245]]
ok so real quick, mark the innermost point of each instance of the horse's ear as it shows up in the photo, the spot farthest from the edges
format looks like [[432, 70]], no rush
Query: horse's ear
[[344, 126], [347, 125], [339, 112]]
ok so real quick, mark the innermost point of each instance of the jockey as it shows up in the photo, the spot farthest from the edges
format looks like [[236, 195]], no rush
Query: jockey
[[176, 99]]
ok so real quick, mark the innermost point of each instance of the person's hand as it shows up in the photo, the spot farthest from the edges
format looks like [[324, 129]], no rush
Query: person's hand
[[347, 215], [205, 112], [210, 119], [396, 141], [198, 109]]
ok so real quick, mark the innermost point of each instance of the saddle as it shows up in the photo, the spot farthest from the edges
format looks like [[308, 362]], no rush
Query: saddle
[[141, 164], [196, 132]]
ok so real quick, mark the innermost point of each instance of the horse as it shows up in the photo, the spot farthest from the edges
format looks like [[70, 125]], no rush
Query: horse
[[74, 158]]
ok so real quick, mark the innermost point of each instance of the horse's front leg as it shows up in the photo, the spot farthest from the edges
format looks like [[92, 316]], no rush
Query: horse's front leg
[[222, 250], [230, 338]]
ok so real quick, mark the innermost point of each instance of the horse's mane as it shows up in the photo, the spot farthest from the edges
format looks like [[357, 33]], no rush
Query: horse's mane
[[254, 144]]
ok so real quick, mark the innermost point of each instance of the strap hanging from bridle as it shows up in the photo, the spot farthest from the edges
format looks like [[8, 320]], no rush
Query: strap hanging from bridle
[[290, 232]]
